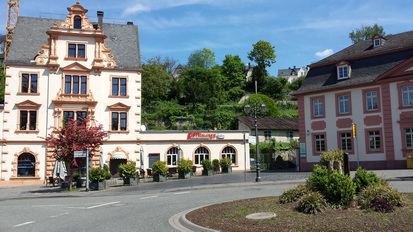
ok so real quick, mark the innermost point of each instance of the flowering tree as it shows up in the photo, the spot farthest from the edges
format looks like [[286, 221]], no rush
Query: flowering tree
[[76, 135]]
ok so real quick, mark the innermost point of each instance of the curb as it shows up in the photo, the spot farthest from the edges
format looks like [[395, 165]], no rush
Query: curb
[[180, 223]]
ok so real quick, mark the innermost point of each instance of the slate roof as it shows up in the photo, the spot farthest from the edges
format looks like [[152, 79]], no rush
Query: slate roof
[[30, 34], [2, 41], [366, 62], [271, 123]]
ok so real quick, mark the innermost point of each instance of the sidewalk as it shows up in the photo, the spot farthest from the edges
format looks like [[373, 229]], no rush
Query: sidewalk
[[37, 191]]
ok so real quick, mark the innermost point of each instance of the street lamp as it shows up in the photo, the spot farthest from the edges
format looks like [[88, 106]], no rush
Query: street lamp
[[247, 110]]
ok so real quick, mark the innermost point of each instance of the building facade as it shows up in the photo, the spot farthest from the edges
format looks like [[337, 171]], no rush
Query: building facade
[[72, 68], [68, 69], [367, 87], [291, 74]]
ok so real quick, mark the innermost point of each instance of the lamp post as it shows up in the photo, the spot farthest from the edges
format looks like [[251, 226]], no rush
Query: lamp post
[[247, 110]]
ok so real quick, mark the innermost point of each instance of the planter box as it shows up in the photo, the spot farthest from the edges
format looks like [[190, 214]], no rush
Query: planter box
[[207, 172], [159, 178], [131, 181], [184, 175], [97, 185], [226, 169]]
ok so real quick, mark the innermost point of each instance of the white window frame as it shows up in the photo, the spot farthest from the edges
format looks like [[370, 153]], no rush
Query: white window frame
[[345, 142], [372, 101], [374, 140], [318, 107], [343, 72], [408, 135], [229, 152], [343, 104], [407, 95], [172, 156], [319, 143], [200, 154], [267, 135], [377, 42]]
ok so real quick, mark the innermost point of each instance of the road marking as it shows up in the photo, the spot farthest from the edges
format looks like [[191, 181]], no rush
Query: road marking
[[142, 198], [59, 215], [26, 223], [181, 193], [96, 206]]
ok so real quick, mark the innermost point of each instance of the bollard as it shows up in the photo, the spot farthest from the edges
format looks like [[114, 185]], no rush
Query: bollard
[[346, 164]]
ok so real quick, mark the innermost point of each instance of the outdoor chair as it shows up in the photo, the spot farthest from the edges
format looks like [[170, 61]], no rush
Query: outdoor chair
[[51, 181]]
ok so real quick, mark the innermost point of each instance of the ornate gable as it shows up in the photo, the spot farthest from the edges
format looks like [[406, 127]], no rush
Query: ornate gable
[[28, 104], [75, 67], [77, 14], [119, 106]]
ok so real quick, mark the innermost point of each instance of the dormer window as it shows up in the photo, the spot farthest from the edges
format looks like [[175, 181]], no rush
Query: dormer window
[[377, 42], [77, 22], [343, 72]]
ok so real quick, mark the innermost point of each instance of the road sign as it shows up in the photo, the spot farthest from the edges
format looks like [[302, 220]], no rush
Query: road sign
[[80, 154]]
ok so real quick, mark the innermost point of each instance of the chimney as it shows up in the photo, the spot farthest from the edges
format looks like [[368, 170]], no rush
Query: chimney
[[129, 23], [100, 19]]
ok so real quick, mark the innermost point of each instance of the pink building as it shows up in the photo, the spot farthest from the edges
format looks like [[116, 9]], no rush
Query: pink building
[[370, 85]]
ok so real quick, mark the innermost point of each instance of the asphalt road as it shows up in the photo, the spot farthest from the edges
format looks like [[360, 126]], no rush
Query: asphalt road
[[127, 212]]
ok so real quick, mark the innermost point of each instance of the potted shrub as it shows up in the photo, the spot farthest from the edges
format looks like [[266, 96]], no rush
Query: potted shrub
[[226, 165], [106, 172], [97, 179], [128, 173], [159, 171], [207, 167], [215, 164], [184, 168]]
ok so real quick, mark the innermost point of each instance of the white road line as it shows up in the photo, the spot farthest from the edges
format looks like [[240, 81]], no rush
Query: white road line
[[142, 198], [181, 193], [59, 215], [96, 206], [26, 223]]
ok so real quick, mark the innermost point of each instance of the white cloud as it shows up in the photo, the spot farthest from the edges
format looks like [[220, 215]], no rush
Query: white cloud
[[138, 8], [324, 53], [150, 5]]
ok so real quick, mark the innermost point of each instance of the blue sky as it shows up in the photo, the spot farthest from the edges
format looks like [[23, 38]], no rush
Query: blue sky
[[302, 31]]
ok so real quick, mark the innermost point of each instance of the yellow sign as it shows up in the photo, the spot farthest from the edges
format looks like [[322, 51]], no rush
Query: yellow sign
[[353, 130]]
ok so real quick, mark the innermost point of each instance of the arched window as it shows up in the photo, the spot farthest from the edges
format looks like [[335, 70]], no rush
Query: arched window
[[77, 22], [26, 165], [172, 156], [200, 154], [229, 152]]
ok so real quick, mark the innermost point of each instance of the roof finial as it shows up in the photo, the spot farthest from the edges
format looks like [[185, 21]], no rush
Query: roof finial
[[77, 2]]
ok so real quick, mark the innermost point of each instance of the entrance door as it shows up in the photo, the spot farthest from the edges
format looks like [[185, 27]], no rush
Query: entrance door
[[113, 166]]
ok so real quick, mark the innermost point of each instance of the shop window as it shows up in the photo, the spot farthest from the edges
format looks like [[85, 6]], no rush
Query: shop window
[[229, 152], [200, 154], [172, 156], [26, 165]]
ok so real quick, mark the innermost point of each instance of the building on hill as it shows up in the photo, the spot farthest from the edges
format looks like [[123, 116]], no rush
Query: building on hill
[[292, 74], [280, 129], [369, 85]]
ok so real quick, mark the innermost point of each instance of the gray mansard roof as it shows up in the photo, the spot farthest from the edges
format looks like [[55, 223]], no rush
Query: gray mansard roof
[[30, 34], [366, 62]]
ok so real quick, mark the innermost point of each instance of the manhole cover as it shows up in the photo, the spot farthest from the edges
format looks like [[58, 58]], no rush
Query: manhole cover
[[262, 215]]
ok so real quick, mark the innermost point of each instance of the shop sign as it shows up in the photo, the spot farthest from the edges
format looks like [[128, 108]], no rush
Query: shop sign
[[200, 135]]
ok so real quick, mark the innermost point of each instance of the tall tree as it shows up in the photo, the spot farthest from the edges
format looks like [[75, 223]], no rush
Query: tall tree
[[169, 64], [2, 83], [365, 33], [76, 135], [156, 83], [203, 58], [275, 88], [201, 84], [233, 70], [263, 54], [258, 99]]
